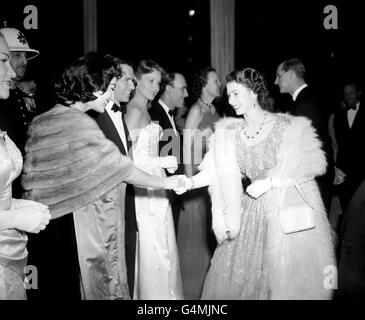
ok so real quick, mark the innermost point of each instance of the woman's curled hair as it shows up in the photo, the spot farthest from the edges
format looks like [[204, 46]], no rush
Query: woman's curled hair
[[86, 75], [148, 66], [200, 80], [253, 80]]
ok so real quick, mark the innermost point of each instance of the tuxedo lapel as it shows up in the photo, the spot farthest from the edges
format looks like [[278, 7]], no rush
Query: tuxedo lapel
[[163, 117], [169, 135], [107, 126], [128, 139], [358, 121]]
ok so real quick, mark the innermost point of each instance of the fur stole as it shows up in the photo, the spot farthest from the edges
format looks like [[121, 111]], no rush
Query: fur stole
[[69, 163], [226, 187]]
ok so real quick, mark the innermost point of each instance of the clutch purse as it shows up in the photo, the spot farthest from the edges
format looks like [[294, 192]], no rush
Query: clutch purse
[[298, 217]]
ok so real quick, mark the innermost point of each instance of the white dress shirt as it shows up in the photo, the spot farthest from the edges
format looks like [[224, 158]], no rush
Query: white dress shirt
[[296, 92], [351, 114], [118, 123], [167, 109]]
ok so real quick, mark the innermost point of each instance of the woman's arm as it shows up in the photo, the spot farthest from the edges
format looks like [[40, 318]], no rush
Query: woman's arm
[[143, 179], [202, 179], [260, 186], [135, 121], [191, 124]]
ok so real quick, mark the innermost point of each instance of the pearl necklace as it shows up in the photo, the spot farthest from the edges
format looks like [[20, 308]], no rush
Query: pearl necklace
[[207, 105], [257, 132]]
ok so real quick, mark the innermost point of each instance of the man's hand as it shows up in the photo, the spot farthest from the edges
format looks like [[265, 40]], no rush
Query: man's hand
[[340, 176]]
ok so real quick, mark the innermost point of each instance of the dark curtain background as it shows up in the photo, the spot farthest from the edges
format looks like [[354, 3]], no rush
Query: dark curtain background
[[267, 32]]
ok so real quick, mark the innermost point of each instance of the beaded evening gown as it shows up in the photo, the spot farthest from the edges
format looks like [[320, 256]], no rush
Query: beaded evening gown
[[196, 241], [158, 275], [238, 268], [13, 252]]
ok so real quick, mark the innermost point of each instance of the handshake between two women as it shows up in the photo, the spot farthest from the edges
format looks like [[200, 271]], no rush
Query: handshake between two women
[[179, 183]]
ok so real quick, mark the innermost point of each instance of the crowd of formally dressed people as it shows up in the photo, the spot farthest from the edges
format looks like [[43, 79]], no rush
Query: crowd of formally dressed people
[[126, 192]]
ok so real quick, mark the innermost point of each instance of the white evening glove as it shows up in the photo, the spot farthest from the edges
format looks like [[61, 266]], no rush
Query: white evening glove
[[186, 184], [169, 163], [25, 215], [259, 187]]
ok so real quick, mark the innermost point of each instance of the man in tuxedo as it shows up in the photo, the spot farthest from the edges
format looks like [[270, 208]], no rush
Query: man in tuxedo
[[173, 93], [348, 128], [290, 77], [112, 123]]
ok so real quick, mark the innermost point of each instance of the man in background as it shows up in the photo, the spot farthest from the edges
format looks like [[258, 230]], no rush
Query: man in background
[[172, 97], [290, 77]]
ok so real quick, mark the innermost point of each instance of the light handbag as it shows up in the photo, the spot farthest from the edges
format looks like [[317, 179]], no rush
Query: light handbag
[[297, 217]]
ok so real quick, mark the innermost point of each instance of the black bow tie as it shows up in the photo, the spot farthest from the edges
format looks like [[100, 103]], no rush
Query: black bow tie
[[171, 113], [349, 108], [116, 108]]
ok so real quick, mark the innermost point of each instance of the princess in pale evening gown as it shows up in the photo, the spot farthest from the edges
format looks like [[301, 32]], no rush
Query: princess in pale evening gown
[[256, 258]]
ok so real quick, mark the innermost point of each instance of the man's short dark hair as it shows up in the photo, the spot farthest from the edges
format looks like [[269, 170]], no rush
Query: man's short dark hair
[[118, 63], [351, 82], [167, 80], [296, 65]]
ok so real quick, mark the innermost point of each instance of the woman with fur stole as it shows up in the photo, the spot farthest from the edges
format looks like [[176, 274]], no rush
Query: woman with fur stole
[[71, 167], [255, 258]]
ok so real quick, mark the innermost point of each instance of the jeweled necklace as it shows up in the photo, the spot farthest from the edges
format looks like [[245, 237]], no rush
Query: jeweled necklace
[[207, 105], [257, 132]]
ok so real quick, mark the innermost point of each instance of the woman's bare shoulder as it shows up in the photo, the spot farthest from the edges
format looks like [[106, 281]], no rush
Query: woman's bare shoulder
[[194, 116]]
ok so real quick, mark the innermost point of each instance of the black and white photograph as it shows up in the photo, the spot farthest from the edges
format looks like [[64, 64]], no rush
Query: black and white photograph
[[168, 150]]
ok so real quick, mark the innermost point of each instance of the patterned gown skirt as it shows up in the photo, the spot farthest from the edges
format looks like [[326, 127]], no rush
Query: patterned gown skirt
[[11, 285], [238, 269]]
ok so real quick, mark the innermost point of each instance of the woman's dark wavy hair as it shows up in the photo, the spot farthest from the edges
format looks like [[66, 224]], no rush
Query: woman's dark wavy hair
[[253, 80], [148, 66], [200, 80], [87, 74]]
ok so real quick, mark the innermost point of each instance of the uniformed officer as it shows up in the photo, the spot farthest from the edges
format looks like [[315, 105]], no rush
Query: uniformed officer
[[19, 110]]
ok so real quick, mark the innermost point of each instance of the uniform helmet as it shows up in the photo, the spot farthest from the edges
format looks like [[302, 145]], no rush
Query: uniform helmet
[[17, 42]]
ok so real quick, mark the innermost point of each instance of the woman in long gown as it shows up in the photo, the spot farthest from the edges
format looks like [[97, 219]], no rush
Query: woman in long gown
[[195, 240], [158, 269], [16, 215], [255, 259]]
